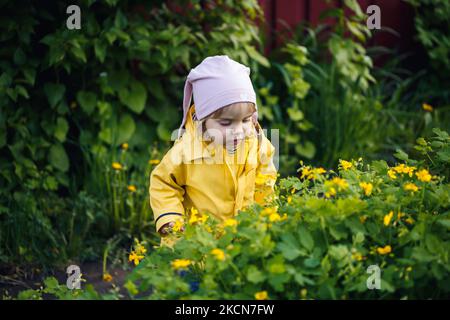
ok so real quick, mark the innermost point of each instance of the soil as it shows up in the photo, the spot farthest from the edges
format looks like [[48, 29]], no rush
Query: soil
[[13, 280]]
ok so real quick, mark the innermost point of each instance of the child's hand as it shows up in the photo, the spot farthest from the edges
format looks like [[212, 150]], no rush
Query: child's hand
[[167, 228]]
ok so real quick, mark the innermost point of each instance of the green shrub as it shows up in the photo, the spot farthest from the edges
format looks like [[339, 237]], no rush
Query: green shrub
[[318, 239]]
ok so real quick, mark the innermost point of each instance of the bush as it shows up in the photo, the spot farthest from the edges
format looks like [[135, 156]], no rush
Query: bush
[[318, 239]]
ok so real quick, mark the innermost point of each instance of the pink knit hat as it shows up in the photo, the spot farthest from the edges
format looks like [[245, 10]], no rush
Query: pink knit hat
[[216, 82]]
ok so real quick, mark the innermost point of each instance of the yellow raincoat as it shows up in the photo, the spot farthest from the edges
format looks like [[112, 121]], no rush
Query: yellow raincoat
[[195, 174]]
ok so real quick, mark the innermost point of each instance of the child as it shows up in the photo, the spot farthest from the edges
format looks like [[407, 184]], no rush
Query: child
[[222, 161]]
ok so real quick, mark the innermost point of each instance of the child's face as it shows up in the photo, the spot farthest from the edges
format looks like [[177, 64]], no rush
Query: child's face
[[232, 126]]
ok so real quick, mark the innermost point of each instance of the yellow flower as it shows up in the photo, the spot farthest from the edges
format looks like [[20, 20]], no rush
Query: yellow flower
[[387, 249], [423, 175], [177, 226], [311, 173], [180, 263], [391, 174], [289, 199], [274, 217], [268, 211], [131, 188], [340, 183], [367, 187], [363, 219], [387, 218], [124, 146], [107, 277], [409, 269], [357, 256], [117, 166], [409, 220], [230, 223], [293, 191], [261, 295], [402, 168], [410, 187], [345, 164], [218, 253], [331, 192], [154, 161], [197, 217], [427, 107], [135, 257], [139, 248]]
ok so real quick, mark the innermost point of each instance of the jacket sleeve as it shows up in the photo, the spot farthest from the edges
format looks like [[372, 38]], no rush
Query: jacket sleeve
[[266, 172], [166, 189]]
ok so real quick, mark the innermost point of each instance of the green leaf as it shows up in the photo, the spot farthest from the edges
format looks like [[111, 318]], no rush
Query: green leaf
[[254, 275], [58, 157], [306, 238], [135, 97], [54, 93], [19, 56], [295, 114], [401, 155], [100, 50], [87, 101], [61, 129], [255, 55], [307, 150], [126, 129]]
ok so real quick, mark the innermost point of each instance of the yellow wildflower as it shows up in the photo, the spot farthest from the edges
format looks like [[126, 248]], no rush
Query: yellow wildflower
[[289, 199], [367, 188], [391, 174], [387, 249], [117, 166], [345, 164], [402, 168], [340, 183], [135, 257], [124, 146], [387, 218], [230, 223], [268, 211], [410, 187], [423, 175], [331, 192], [427, 107], [274, 217], [261, 295], [180, 263], [357, 256], [131, 188], [363, 219], [293, 191], [218, 253], [154, 161], [409, 220], [177, 226], [107, 277], [197, 217]]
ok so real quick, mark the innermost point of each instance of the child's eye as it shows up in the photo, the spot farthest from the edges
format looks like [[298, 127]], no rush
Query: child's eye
[[247, 120], [225, 123]]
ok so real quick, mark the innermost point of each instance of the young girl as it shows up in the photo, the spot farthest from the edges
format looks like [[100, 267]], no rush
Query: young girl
[[221, 161]]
